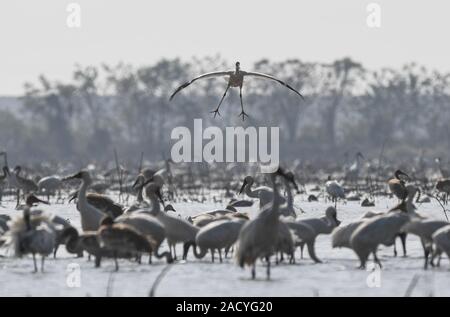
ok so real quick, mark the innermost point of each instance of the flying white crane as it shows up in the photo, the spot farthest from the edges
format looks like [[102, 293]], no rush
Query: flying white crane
[[236, 79]]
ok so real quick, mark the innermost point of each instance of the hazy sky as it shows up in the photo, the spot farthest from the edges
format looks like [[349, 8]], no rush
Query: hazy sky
[[35, 38]]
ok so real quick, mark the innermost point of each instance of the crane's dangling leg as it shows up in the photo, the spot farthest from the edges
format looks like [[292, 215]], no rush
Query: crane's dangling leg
[[403, 240], [115, 261], [243, 114], [35, 265], [17, 197], [377, 261], [216, 112], [42, 264]]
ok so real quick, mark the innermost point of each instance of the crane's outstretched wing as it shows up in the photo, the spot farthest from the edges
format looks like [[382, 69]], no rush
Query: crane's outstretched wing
[[272, 78], [207, 75]]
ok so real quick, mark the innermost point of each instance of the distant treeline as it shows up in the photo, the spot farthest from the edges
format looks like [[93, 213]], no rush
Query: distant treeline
[[348, 108]]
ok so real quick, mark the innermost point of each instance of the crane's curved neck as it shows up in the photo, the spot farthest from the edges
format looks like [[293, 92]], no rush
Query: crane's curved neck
[[5, 157], [249, 192], [82, 191], [26, 217], [90, 216], [140, 197], [410, 207], [290, 197], [156, 209], [273, 209], [202, 253]]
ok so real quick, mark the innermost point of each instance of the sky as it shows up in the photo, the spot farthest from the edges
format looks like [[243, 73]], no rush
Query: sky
[[35, 38]]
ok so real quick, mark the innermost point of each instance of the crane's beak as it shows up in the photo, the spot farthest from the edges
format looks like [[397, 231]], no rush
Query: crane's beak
[[243, 187], [146, 182], [73, 196], [42, 201], [137, 183], [169, 208], [404, 174]]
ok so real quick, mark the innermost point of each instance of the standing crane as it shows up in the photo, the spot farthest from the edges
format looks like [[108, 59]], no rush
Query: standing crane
[[259, 236], [236, 79], [397, 185]]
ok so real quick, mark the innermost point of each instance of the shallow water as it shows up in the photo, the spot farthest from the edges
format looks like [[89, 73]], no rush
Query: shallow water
[[337, 276]]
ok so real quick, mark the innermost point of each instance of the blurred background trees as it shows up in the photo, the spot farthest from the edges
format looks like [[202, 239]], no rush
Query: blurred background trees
[[348, 108]]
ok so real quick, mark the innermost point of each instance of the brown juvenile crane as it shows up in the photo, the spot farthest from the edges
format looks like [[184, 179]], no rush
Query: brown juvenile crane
[[397, 185]]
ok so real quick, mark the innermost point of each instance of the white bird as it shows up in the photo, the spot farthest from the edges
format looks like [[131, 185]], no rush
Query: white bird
[[236, 79], [424, 229], [263, 193], [380, 230], [353, 171], [441, 240], [335, 190], [49, 185], [340, 237], [205, 218], [90, 216], [218, 235], [177, 230], [322, 225]]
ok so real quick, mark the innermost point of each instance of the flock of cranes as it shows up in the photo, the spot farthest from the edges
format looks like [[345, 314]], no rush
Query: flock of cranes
[[151, 226]]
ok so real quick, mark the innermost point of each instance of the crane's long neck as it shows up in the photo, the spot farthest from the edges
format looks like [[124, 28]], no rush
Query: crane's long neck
[[290, 197], [410, 207], [82, 192], [5, 157], [202, 253], [140, 197], [90, 216], [358, 161], [156, 209], [273, 211], [26, 218], [289, 206]]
